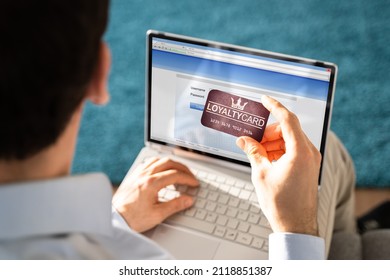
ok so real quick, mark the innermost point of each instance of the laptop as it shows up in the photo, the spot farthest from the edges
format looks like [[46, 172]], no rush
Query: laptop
[[182, 75]]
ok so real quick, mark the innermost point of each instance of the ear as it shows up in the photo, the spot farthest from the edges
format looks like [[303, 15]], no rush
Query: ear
[[97, 91]]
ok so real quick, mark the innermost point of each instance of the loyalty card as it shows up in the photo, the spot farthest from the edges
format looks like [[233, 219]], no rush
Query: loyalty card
[[234, 115]]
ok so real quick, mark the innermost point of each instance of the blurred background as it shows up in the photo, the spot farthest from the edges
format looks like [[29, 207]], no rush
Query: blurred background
[[353, 34]]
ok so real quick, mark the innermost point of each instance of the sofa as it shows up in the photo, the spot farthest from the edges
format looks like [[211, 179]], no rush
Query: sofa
[[373, 242], [371, 245]]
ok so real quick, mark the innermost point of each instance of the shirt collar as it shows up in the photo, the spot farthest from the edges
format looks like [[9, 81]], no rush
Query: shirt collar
[[70, 204]]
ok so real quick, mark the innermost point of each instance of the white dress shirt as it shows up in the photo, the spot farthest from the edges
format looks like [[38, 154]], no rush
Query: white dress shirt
[[67, 218], [72, 218]]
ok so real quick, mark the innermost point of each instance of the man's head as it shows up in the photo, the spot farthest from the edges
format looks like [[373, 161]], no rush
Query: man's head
[[48, 57]]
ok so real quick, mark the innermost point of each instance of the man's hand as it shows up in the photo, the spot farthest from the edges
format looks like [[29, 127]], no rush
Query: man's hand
[[285, 170], [136, 199]]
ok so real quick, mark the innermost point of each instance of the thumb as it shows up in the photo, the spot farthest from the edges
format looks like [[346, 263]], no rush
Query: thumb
[[255, 152], [173, 206]]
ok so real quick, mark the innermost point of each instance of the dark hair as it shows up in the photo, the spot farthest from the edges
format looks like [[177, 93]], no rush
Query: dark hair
[[48, 53]]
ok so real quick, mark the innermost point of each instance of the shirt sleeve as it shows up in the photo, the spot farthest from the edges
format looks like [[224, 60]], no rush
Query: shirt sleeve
[[118, 221], [292, 246], [134, 245]]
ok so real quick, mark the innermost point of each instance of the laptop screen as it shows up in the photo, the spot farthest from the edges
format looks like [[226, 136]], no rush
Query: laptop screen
[[182, 71]]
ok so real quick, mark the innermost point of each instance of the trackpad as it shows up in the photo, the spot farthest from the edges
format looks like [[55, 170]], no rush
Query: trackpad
[[184, 245]]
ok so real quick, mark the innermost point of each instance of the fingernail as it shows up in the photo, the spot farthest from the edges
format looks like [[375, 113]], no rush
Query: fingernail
[[240, 142]]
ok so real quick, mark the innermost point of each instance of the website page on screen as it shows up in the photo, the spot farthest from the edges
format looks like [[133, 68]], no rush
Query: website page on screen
[[184, 74]]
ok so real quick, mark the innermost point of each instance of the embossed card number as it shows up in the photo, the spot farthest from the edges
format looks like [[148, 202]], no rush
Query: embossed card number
[[234, 115]]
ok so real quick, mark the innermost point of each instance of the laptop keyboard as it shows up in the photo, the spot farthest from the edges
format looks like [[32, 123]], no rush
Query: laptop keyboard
[[224, 207]]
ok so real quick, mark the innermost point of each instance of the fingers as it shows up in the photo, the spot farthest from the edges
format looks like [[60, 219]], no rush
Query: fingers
[[272, 132], [149, 162], [275, 155], [166, 170], [173, 206], [278, 138], [289, 122], [169, 177], [277, 145], [255, 152], [144, 166], [166, 164]]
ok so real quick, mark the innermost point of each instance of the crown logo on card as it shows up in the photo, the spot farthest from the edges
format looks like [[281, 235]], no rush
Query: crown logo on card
[[238, 104]]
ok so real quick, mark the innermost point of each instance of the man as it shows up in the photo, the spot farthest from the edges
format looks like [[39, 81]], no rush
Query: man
[[53, 60]]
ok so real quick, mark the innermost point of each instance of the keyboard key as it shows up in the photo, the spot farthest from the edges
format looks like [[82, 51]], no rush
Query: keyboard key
[[211, 177], [223, 198], [221, 209], [244, 205], [213, 187], [260, 231], [244, 195], [249, 187], [244, 227], [253, 218], [213, 196], [224, 188], [210, 206], [202, 174], [232, 223], [234, 201], [234, 191], [222, 220], [240, 184], [200, 214], [220, 179], [200, 203], [257, 243], [230, 182], [231, 234], [255, 209], [244, 238], [219, 231], [211, 217], [191, 223], [231, 212], [242, 215]]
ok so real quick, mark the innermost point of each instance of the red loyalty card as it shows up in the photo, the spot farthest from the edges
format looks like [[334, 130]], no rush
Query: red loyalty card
[[234, 115]]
